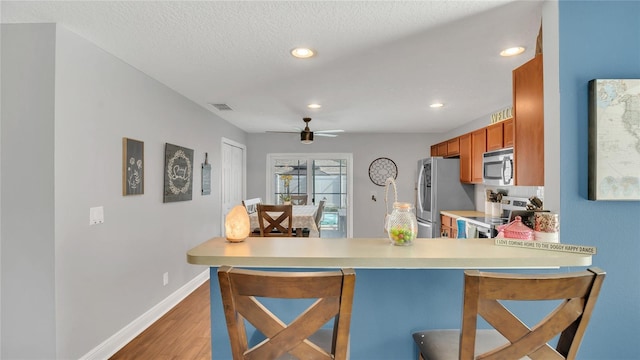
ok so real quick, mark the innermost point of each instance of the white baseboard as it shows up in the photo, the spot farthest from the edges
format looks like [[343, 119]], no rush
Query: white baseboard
[[118, 340]]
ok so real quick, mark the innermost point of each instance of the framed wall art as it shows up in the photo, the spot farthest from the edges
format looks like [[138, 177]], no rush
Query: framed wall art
[[178, 173], [614, 139], [132, 167]]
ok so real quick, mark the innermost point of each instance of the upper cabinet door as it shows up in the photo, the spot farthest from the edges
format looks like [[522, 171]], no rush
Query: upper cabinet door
[[453, 147], [442, 149], [465, 158], [478, 148], [528, 114], [507, 133], [495, 136]]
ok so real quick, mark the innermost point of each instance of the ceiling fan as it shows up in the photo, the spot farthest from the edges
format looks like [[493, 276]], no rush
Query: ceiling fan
[[306, 135]]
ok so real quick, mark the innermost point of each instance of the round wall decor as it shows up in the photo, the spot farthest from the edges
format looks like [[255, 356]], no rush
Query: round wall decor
[[381, 169]]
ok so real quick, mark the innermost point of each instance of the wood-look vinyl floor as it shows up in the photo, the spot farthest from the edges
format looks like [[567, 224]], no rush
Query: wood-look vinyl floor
[[183, 333]]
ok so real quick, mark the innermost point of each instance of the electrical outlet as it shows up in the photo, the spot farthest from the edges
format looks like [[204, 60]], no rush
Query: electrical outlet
[[165, 279]]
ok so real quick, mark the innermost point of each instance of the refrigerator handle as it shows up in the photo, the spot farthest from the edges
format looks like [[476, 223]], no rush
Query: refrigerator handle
[[420, 189]]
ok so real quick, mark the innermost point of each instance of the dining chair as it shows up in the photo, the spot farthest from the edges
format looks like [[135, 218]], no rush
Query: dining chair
[[251, 204], [243, 292], [486, 294], [271, 217], [299, 199]]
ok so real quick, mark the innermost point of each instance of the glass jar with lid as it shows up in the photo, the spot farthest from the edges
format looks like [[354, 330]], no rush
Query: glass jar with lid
[[402, 224]]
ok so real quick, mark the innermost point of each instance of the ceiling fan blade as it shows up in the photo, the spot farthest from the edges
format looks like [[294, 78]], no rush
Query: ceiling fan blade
[[329, 131], [282, 132], [325, 135]]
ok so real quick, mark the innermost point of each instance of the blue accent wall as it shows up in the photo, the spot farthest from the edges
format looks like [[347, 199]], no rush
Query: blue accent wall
[[599, 39]]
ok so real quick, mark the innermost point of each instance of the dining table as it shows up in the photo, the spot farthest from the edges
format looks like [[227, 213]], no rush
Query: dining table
[[304, 216]]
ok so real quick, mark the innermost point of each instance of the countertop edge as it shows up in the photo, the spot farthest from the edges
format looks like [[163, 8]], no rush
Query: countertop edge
[[458, 254]]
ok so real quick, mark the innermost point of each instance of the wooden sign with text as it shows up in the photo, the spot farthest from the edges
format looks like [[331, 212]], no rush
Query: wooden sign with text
[[542, 245], [502, 115]]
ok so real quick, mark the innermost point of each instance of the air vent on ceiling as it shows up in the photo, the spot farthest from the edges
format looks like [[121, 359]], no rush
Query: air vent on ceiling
[[222, 107]]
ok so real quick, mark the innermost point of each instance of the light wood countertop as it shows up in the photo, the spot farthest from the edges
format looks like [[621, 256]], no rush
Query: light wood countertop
[[377, 253], [462, 213]]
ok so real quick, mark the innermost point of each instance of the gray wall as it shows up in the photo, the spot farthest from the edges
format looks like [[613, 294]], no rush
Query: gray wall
[[27, 234], [105, 276], [403, 149]]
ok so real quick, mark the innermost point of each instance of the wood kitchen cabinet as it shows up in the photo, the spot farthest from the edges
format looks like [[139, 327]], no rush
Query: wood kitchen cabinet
[[528, 114], [453, 147], [478, 148], [448, 226], [465, 158], [442, 149], [500, 135], [507, 133], [439, 149], [524, 132], [494, 136], [449, 148]]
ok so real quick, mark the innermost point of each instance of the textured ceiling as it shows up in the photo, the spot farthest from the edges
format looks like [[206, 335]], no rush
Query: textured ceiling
[[379, 64]]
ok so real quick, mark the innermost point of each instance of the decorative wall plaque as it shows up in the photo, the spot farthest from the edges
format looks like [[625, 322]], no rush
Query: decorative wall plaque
[[132, 167], [206, 176], [381, 169], [178, 173]]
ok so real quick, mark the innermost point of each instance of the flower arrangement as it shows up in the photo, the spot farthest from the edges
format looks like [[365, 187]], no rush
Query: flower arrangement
[[286, 179]]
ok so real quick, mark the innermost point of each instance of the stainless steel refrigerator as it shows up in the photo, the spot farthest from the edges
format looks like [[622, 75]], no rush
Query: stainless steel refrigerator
[[439, 188]]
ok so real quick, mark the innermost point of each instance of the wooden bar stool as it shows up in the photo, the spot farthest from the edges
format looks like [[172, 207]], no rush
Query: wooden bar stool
[[510, 338], [242, 292]]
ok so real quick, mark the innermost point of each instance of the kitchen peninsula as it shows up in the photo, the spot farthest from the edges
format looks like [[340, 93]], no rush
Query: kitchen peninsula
[[398, 289]]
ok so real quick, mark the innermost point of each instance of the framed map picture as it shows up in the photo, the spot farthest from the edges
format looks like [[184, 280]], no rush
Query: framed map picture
[[614, 139], [132, 167], [178, 173]]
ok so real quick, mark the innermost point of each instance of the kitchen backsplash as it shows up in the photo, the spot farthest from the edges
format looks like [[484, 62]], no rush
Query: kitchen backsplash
[[519, 191]]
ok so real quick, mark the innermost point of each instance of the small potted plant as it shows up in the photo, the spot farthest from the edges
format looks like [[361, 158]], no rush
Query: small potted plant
[[285, 198]]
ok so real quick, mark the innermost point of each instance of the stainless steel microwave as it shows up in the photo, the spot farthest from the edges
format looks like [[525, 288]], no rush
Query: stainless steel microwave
[[497, 167]]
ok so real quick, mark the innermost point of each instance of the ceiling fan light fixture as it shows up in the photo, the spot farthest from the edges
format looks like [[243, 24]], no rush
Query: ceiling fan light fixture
[[302, 53], [306, 137], [436, 105], [314, 106]]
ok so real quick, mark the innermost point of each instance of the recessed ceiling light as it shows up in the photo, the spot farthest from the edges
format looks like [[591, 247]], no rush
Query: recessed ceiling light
[[314, 106], [512, 51], [436, 105], [302, 53]]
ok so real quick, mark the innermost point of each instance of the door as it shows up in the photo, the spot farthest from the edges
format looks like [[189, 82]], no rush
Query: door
[[329, 183], [320, 176], [233, 180]]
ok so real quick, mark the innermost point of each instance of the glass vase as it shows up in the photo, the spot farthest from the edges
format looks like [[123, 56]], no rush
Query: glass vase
[[402, 224]]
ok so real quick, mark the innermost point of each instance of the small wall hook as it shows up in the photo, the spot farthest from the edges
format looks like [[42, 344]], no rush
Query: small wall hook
[[373, 197]]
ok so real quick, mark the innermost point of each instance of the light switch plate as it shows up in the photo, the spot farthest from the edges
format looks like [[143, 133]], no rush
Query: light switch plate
[[96, 215]]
